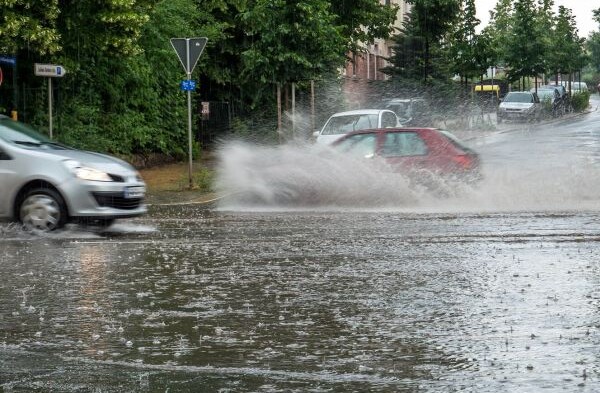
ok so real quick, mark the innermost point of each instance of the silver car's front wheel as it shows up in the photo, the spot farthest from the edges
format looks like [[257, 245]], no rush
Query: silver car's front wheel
[[43, 210]]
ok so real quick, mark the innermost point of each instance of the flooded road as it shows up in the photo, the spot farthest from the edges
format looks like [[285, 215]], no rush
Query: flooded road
[[495, 291]]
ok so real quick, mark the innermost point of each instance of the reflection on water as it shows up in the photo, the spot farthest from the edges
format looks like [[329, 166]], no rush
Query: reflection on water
[[307, 301]]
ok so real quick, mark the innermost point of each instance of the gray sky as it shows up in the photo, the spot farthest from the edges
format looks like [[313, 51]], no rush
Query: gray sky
[[582, 9]]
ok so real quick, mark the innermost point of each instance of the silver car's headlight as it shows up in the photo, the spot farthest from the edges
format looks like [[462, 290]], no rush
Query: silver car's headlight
[[85, 172]]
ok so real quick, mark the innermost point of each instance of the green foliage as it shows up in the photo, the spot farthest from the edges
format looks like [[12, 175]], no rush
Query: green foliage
[[593, 48], [420, 52], [499, 29], [565, 54], [203, 179], [580, 101], [593, 44], [108, 28], [121, 94], [29, 24], [547, 105], [361, 21], [526, 43], [470, 52]]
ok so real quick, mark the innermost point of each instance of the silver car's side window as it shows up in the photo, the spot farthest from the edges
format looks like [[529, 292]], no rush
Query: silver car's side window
[[4, 156]]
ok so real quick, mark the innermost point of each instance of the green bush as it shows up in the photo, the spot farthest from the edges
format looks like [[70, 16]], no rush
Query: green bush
[[547, 105], [580, 101], [203, 179]]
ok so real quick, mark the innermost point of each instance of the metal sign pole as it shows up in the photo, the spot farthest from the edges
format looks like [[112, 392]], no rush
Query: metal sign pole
[[50, 105], [189, 99], [50, 71], [188, 55]]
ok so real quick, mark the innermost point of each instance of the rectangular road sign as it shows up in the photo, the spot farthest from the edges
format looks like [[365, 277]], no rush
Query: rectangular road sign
[[8, 60], [189, 50], [187, 85], [50, 70]]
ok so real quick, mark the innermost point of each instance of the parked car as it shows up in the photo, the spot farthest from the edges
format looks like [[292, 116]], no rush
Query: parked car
[[520, 106], [551, 100], [410, 111], [487, 96], [412, 150], [561, 89], [46, 185], [344, 122], [576, 87]]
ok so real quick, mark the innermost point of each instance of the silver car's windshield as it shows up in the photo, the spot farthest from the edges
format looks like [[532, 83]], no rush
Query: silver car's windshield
[[519, 97], [25, 136], [546, 94]]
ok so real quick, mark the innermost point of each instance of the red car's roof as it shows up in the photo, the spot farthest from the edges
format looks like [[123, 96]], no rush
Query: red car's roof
[[386, 130]]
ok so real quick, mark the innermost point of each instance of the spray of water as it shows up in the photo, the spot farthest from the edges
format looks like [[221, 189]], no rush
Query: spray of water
[[304, 176]]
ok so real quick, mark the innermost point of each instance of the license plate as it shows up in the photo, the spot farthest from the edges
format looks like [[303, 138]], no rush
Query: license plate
[[135, 192]]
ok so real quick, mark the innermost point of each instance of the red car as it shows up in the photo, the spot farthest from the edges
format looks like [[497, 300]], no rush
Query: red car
[[412, 150]]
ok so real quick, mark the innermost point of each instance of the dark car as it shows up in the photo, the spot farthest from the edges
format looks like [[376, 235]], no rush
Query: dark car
[[410, 111], [552, 101], [415, 151], [564, 96]]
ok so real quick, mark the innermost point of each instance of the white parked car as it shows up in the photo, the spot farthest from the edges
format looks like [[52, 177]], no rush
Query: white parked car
[[44, 184], [576, 87], [342, 123]]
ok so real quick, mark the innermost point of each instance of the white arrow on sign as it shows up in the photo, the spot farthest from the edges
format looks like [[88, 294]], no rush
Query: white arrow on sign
[[50, 70]]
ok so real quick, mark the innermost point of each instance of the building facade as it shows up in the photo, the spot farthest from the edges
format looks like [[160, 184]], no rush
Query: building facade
[[366, 65]]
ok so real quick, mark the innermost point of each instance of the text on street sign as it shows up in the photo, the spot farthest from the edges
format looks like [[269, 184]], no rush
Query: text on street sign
[[50, 70]]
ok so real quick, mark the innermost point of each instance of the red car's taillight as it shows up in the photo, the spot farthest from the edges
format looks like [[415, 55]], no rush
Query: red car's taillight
[[464, 161]]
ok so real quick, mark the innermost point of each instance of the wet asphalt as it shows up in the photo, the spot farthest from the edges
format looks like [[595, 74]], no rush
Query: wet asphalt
[[492, 291]]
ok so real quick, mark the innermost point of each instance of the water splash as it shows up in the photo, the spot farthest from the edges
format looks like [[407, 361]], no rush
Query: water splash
[[304, 176]]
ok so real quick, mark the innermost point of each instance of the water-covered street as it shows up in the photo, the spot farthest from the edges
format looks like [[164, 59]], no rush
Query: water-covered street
[[490, 289]]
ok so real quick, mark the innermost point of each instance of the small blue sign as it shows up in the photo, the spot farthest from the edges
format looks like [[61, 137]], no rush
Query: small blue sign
[[187, 85], [8, 60]]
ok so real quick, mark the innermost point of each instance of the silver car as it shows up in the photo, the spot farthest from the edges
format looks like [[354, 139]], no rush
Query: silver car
[[45, 185], [520, 105]]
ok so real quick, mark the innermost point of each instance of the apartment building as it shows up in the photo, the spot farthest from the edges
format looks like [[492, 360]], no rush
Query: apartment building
[[366, 65]]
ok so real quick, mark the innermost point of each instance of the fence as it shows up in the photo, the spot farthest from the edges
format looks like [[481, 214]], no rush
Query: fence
[[214, 121]]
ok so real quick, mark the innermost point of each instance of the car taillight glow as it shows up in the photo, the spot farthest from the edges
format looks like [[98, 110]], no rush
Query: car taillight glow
[[464, 161]]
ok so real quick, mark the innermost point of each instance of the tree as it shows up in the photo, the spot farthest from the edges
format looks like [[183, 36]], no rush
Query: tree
[[566, 52], [593, 44], [361, 21], [526, 46], [499, 29], [419, 50], [293, 41], [29, 24], [468, 49]]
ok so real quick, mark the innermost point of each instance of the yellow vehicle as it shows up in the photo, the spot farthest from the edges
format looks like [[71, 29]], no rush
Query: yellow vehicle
[[487, 96]]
